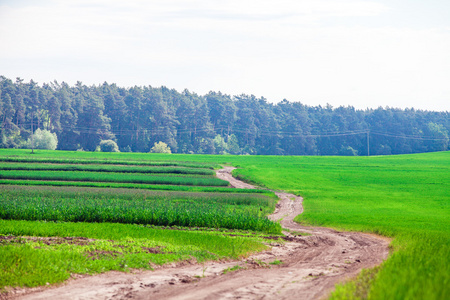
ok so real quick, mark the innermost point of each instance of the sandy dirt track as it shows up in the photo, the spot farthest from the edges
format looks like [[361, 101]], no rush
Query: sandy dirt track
[[311, 266]]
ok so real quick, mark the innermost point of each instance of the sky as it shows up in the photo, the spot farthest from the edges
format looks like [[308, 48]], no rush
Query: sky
[[357, 53]]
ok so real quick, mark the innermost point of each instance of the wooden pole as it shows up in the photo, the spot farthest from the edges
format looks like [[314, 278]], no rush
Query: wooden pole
[[32, 139], [368, 143]]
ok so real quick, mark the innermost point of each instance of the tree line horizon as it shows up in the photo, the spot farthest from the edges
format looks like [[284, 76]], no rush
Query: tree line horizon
[[138, 117]]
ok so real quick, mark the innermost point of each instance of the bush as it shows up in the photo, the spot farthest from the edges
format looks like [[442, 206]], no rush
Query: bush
[[127, 149], [233, 145], [348, 151], [108, 146], [160, 148], [43, 139], [220, 145]]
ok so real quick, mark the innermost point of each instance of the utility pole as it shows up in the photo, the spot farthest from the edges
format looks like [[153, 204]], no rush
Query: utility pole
[[32, 139], [368, 143]]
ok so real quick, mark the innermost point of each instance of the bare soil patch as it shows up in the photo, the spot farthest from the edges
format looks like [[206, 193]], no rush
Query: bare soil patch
[[82, 241], [309, 269]]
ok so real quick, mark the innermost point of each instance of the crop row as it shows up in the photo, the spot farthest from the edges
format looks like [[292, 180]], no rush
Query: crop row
[[200, 165], [111, 177], [183, 212], [105, 168], [130, 186], [259, 200]]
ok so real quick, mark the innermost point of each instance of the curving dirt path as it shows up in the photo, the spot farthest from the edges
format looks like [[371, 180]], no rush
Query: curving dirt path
[[311, 267], [225, 174]]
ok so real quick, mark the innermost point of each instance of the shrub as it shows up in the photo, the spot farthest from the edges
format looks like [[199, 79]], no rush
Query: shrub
[[43, 139], [160, 147], [233, 145], [348, 151], [108, 146], [127, 149], [220, 145]]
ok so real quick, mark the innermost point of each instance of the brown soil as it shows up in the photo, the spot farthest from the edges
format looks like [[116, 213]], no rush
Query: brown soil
[[311, 266], [82, 241], [225, 174]]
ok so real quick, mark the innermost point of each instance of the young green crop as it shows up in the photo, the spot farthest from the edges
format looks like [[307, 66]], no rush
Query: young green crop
[[111, 177], [105, 168], [115, 158], [72, 158], [233, 196], [246, 213], [153, 187]]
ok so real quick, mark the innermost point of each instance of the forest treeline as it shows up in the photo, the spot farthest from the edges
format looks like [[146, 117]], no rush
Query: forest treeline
[[137, 117]]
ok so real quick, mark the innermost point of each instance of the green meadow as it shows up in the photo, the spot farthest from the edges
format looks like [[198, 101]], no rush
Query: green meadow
[[403, 197]]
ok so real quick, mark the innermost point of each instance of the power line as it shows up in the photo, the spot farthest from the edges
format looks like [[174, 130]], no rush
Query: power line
[[152, 131], [410, 137]]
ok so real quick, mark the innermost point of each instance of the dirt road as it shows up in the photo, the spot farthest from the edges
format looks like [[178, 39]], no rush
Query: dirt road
[[311, 266]]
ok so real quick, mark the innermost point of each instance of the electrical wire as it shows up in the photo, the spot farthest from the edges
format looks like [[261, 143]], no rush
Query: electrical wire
[[272, 133]]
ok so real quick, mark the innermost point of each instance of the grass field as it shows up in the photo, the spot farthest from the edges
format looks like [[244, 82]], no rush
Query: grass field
[[404, 197]]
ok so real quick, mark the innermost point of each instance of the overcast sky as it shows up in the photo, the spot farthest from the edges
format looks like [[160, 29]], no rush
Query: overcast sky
[[361, 53]]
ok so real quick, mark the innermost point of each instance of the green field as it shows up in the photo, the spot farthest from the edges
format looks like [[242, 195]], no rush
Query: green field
[[64, 215], [405, 197]]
